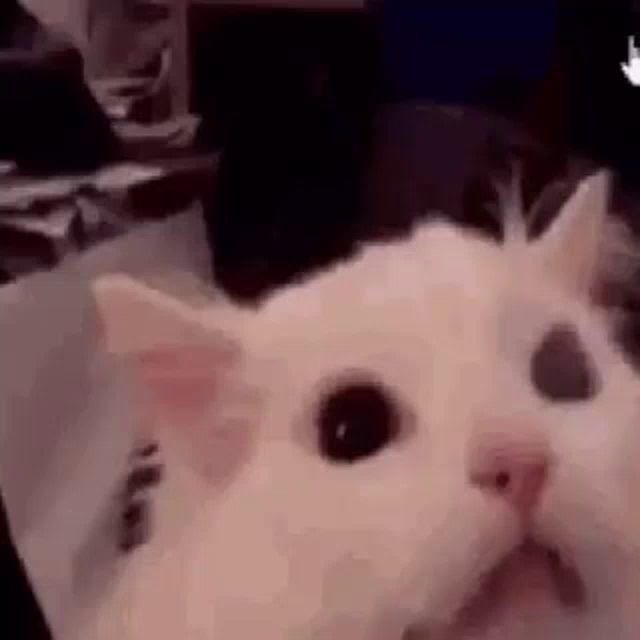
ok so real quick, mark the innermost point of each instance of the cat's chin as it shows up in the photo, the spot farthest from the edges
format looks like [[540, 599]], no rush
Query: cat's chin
[[533, 582]]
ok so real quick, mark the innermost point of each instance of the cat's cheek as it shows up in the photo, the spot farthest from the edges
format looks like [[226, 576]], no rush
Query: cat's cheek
[[231, 448]]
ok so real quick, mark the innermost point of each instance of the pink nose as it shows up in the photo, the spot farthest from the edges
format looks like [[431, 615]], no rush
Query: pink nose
[[512, 467]]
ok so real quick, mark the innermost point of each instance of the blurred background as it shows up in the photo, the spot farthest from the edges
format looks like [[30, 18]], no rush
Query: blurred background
[[299, 128], [293, 109]]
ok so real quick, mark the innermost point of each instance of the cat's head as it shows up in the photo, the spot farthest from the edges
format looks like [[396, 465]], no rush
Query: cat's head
[[437, 440]]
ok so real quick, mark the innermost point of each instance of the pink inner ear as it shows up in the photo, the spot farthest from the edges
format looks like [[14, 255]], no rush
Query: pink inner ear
[[183, 380]]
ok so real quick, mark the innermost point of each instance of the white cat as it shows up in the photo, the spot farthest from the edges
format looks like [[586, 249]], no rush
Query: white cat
[[436, 440]]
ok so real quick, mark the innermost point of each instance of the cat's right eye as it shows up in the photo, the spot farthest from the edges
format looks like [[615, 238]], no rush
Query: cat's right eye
[[356, 421]]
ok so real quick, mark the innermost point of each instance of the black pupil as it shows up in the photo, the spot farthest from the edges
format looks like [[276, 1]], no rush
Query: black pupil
[[355, 422]]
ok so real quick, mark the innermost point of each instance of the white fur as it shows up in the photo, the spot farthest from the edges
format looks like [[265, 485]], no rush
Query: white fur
[[295, 548]]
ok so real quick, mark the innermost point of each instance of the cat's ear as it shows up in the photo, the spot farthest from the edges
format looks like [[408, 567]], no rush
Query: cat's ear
[[573, 247], [182, 357]]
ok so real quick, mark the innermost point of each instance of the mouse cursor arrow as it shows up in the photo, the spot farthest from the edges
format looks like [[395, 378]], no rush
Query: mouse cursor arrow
[[631, 68]]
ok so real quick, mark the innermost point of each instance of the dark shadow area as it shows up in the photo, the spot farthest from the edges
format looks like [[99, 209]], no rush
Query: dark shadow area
[[290, 98], [23, 617], [49, 120]]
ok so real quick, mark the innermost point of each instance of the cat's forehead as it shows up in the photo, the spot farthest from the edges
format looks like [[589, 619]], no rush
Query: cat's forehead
[[441, 284], [423, 317]]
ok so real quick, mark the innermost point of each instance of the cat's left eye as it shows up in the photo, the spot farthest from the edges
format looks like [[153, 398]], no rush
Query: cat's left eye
[[561, 369], [356, 421]]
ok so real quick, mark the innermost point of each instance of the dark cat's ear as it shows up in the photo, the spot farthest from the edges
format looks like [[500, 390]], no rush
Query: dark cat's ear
[[182, 359], [574, 245]]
